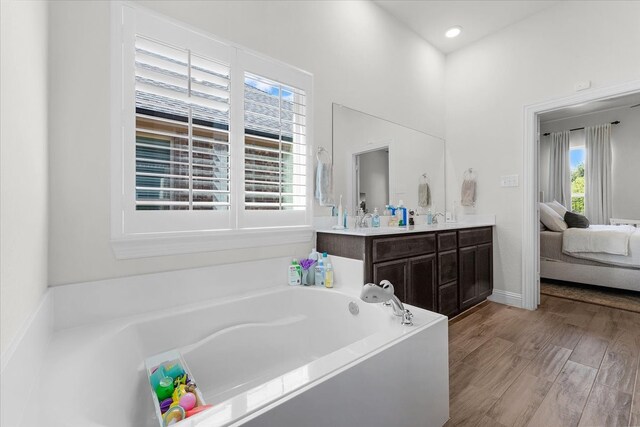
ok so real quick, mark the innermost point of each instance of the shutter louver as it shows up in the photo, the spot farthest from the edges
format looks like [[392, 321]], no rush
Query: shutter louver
[[182, 129], [274, 145]]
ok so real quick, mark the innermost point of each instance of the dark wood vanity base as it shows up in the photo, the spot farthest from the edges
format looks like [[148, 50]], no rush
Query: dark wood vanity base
[[443, 271]]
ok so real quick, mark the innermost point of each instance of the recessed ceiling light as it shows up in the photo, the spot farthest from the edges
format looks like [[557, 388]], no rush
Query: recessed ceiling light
[[453, 32]]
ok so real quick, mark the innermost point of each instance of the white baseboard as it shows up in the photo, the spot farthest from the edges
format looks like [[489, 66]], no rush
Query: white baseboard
[[506, 297]]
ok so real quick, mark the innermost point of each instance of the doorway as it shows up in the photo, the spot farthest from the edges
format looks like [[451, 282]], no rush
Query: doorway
[[372, 180], [531, 187]]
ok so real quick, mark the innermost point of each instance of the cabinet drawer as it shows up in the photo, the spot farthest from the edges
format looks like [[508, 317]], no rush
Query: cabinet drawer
[[447, 266], [474, 236], [447, 241], [402, 247]]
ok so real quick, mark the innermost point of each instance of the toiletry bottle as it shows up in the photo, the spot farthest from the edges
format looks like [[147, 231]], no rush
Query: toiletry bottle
[[325, 258], [314, 255], [319, 273], [375, 218], [429, 217], [293, 276], [402, 216], [340, 213], [298, 266], [345, 219], [328, 276]]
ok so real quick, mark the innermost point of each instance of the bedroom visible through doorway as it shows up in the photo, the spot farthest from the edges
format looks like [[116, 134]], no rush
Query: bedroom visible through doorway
[[593, 188]]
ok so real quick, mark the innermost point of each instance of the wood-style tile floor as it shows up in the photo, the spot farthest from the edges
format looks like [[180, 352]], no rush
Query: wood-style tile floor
[[566, 364]]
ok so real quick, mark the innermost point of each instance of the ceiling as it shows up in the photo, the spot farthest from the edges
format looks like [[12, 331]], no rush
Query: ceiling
[[592, 107], [430, 19]]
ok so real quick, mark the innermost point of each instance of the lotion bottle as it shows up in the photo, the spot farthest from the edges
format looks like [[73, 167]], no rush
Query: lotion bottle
[[328, 276], [319, 271], [293, 275]]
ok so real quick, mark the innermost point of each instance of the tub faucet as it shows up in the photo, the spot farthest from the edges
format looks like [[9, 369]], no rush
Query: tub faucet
[[383, 293]]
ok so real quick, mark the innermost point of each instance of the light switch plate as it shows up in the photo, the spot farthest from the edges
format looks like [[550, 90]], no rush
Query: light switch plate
[[509, 181]]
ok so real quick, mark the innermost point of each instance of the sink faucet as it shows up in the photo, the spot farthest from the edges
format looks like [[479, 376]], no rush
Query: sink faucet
[[362, 219], [383, 293], [435, 217]]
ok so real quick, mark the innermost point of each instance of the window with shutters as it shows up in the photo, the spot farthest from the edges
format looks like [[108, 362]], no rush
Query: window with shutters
[[211, 142]]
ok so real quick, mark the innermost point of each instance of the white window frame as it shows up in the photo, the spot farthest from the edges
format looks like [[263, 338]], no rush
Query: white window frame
[[136, 233]]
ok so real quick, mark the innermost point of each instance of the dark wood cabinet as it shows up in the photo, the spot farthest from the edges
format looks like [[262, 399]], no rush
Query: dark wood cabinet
[[447, 267], [468, 284], [475, 271], [396, 273], [423, 284], [446, 271], [448, 299]]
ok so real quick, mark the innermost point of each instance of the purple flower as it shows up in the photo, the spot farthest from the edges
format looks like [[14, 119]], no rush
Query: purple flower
[[307, 263]]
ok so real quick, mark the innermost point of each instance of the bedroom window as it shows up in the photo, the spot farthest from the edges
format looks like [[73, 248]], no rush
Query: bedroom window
[[210, 142], [577, 160]]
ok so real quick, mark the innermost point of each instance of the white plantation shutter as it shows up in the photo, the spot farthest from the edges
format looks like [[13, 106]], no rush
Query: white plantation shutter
[[276, 136], [275, 152], [182, 129], [209, 138]]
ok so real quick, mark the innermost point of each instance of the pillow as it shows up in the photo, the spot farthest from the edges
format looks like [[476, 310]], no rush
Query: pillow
[[556, 206], [575, 220], [551, 219], [543, 227]]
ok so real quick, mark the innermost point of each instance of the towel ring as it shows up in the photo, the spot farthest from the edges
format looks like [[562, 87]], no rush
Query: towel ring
[[320, 151]]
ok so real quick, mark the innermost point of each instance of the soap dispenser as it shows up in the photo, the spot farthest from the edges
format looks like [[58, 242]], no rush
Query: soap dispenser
[[375, 218]]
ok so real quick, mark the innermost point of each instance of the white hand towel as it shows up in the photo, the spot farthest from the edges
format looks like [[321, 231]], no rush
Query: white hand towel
[[324, 184]]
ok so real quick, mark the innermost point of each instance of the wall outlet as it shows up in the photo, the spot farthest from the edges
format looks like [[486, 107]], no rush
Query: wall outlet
[[585, 84], [509, 181]]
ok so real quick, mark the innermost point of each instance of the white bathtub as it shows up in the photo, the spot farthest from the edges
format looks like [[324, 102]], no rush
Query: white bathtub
[[286, 356]]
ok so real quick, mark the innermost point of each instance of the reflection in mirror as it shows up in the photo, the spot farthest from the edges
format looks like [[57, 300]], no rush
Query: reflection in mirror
[[372, 179], [378, 162]]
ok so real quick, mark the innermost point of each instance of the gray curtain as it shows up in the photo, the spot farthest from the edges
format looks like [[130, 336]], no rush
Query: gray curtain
[[597, 174], [559, 169]]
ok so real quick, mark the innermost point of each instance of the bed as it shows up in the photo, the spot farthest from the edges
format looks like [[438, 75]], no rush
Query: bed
[[614, 269]]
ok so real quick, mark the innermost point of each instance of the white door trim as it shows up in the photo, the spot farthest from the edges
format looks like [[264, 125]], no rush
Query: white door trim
[[530, 238]]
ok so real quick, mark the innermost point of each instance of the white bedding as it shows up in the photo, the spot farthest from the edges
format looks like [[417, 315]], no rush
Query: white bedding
[[611, 244]]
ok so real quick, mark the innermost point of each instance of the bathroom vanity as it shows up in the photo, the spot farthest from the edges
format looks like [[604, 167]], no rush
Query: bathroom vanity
[[445, 268]]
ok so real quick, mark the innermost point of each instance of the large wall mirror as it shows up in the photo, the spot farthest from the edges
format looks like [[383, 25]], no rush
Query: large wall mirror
[[378, 162]]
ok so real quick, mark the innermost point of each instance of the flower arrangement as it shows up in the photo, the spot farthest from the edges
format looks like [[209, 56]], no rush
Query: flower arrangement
[[307, 263], [308, 275]]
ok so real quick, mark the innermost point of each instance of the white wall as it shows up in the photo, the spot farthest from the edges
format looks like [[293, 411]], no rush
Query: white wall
[[625, 147], [535, 60], [23, 154], [357, 53]]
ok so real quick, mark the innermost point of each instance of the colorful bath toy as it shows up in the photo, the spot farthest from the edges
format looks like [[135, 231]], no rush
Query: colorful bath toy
[[188, 401], [198, 409], [165, 388], [165, 404], [173, 415], [173, 370]]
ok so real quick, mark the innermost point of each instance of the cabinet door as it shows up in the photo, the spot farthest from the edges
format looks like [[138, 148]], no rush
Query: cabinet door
[[467, 263], [484, 269], [395, 272], [422, 282], [448, 299]]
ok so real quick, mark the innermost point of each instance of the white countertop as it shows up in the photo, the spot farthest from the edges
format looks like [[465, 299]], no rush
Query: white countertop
[[470, 221]]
